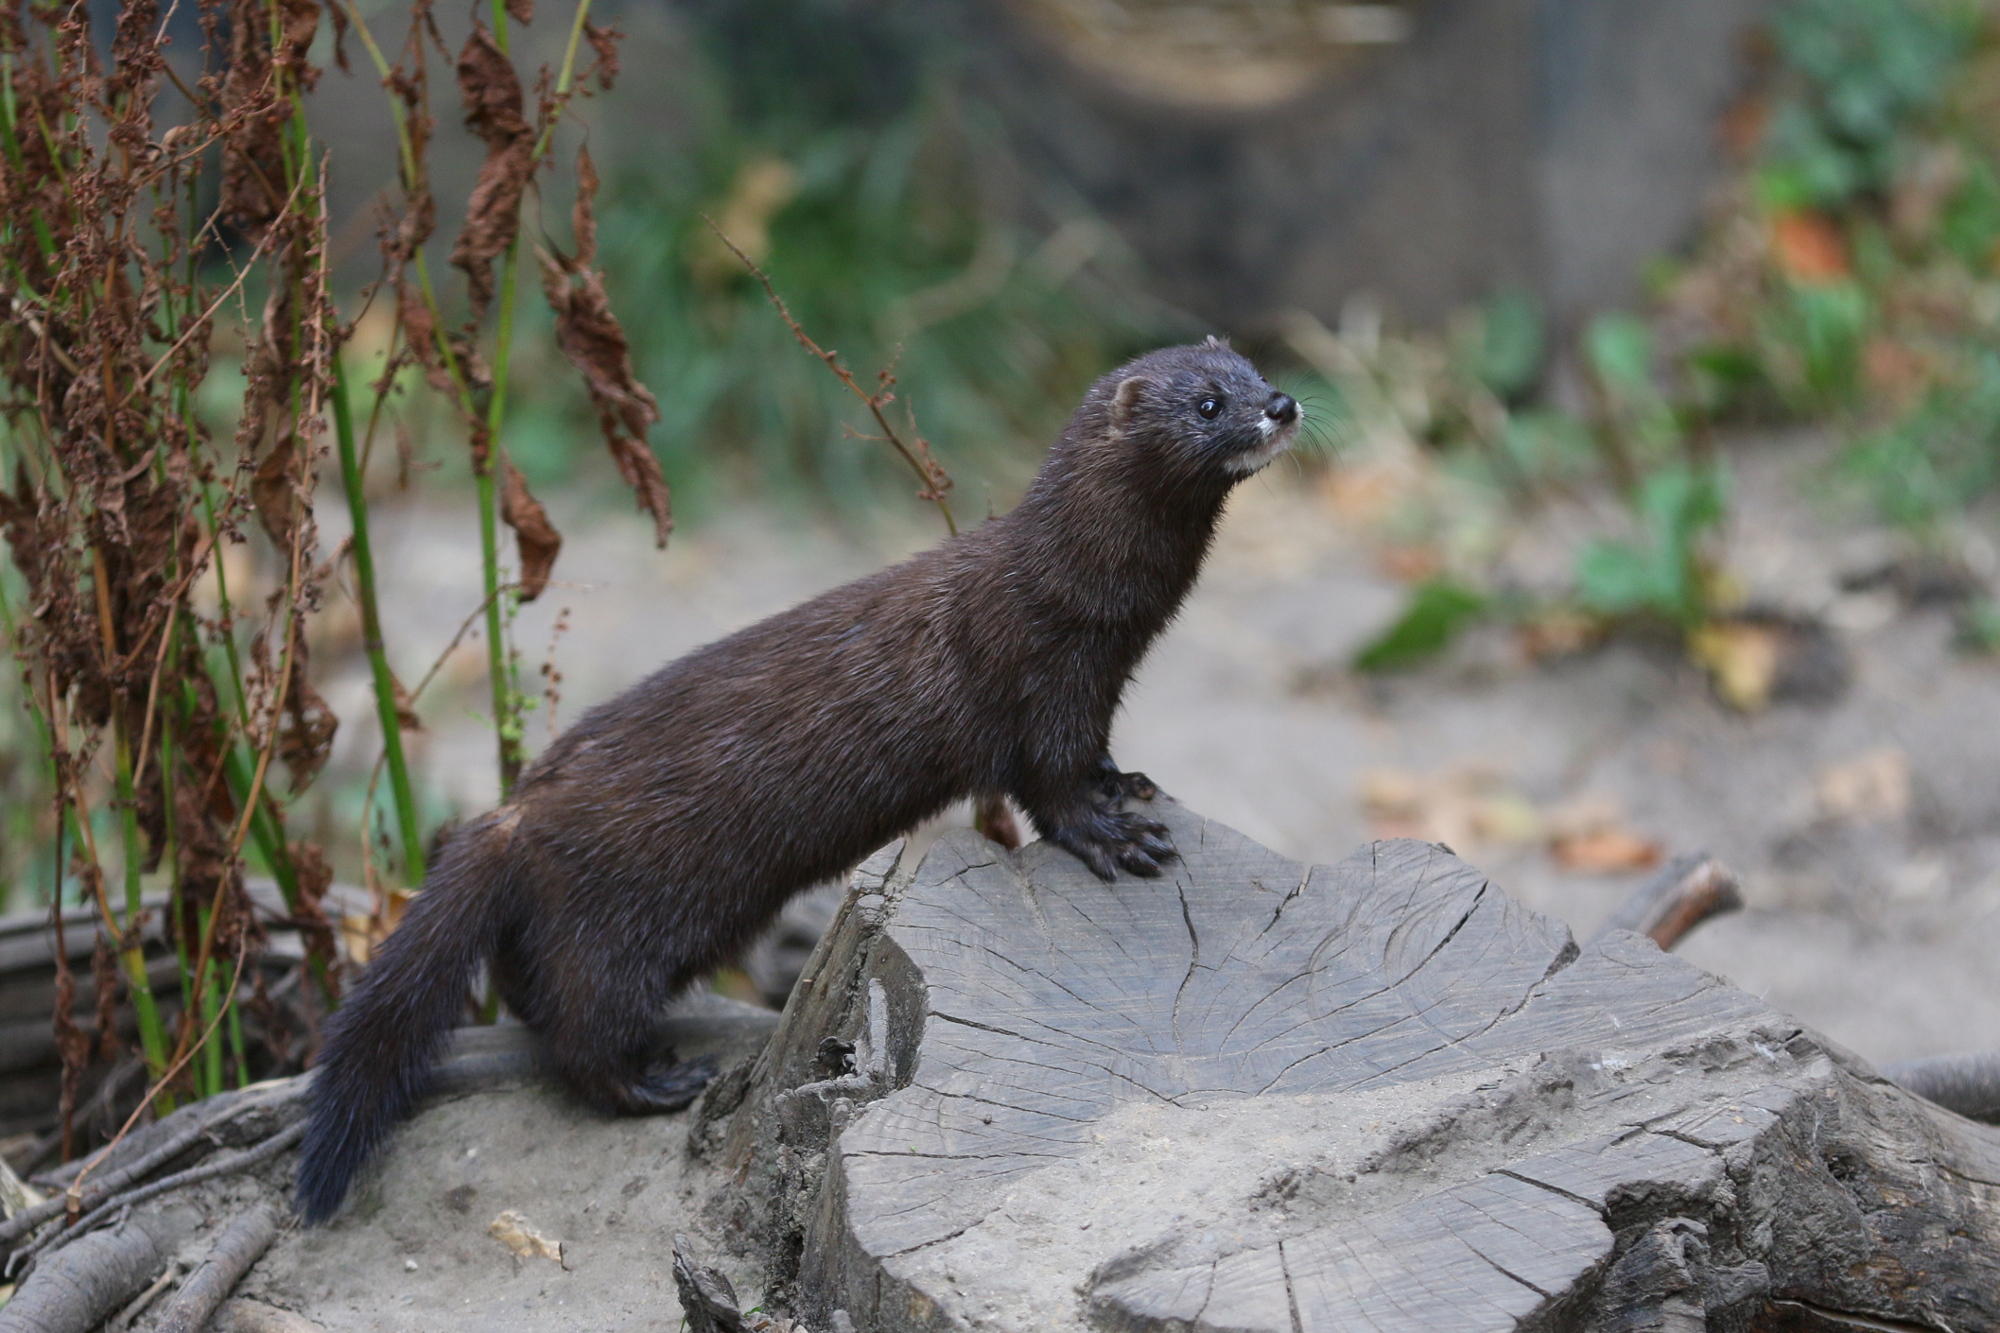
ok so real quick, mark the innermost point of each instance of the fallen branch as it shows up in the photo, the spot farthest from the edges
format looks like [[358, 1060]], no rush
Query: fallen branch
[[241, 1244], [79, 1288], [1687, 891], [28, 1219], [139, 1304], [194, 1175]]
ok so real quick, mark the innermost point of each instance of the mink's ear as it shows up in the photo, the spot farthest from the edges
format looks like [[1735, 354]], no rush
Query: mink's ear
[[1126, 397]]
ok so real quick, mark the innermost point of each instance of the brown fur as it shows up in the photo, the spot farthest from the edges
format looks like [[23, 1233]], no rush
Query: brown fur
[[661, 833]]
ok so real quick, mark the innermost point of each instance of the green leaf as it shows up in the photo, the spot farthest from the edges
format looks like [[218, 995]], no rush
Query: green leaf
[[1620, 348], [1615, 578], [1659, 575], [1979, 627], [1511, 345], [1438, 611]]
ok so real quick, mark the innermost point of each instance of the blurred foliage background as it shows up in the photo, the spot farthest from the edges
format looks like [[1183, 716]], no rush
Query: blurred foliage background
[[1847, 277], [834, 144]]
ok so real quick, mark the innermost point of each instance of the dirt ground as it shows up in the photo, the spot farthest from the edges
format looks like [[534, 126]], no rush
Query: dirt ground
[[426, 1245], [1867, 829]]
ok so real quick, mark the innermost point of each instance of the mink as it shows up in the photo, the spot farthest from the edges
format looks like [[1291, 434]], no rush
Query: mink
[[655, 838]]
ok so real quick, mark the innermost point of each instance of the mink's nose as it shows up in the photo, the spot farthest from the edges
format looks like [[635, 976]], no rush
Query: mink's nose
[[1283, 409]]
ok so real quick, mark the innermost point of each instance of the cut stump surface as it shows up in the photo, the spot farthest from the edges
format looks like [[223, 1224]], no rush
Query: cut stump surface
[[1382, 1095]]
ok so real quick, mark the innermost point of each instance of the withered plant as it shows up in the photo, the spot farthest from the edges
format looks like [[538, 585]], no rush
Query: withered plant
[[454, 356], [152, 216], [176, 721]]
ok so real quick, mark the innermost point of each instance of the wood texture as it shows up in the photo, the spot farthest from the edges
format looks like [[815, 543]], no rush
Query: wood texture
[[240, 1245], [1382, 1095]]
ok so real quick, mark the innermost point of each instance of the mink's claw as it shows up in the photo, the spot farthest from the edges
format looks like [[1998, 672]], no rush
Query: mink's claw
[[1108, 839]]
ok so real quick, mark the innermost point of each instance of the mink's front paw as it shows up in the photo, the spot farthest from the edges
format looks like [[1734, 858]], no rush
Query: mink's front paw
[[1108, 839], [1117, 785]]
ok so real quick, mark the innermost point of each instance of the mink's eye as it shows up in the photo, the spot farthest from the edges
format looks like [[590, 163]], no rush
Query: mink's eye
[[1210, 408]]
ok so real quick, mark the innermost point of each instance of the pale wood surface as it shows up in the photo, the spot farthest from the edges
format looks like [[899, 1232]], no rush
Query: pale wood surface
[[1380, 1095]]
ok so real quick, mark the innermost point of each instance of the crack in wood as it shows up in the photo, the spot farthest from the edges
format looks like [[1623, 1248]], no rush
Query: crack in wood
[[1285, 902], [1853, 1319], [1291, 1293], [1503, 1270], [1194, 961], [1595, 1205]]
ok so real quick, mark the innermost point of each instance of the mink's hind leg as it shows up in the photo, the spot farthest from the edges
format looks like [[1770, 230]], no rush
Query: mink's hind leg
[[598, 1011], [669, 1085], [615, 1065]]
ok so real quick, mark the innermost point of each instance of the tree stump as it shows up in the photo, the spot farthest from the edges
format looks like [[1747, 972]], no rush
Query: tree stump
[[1382, 1095]]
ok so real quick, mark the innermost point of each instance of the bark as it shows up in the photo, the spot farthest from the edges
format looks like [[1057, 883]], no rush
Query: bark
[[241, 1244], [80, 1287]]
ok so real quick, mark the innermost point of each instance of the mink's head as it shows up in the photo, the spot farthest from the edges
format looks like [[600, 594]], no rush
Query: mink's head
[[1203, 409]]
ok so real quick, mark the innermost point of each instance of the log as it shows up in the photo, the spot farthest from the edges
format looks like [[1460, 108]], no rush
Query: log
[[241, 1244], [1382, 1095], [76, 1289]]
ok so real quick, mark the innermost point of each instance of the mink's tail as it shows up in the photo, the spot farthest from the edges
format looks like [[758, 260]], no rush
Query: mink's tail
[[382, 1041]]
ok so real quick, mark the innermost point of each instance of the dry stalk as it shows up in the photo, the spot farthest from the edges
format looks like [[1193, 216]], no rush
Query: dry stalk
[[935, 481]]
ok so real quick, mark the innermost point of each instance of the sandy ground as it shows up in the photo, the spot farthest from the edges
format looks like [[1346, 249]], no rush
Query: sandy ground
[[442, 1230], [1867, 830]]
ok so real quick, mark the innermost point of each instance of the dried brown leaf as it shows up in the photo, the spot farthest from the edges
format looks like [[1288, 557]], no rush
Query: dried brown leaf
[[339, 36], [591, 337], [521, 11], [406, 706], [420, 335], [271, 493], [314, 877], [305, 738], [604, 41], [583, 214], [254, 110], [491, 90], [104, 979], [538, 539], [514, 1231]]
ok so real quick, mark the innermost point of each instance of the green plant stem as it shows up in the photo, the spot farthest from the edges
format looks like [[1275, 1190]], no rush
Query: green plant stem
[[496, 651], [169, 764], [266, 830], [371, 629], [236, 1045], [226, 613], [506, 704], [208, 1075], [566, 78], [43, 738], [152, 1034], [267, 833]]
